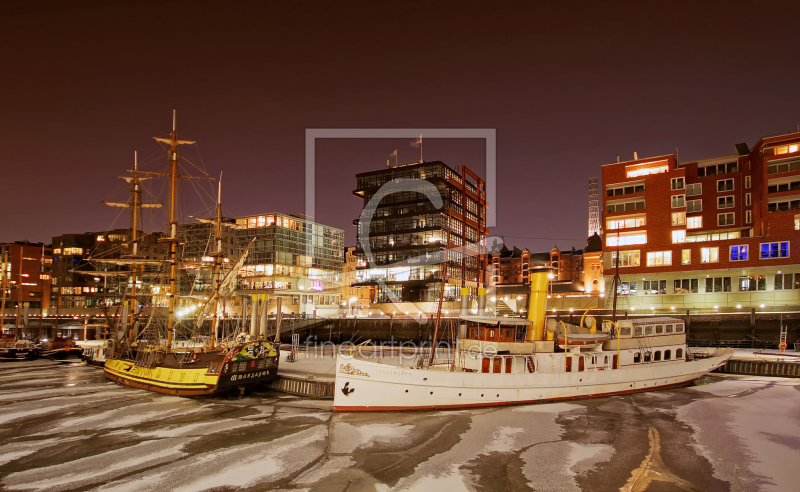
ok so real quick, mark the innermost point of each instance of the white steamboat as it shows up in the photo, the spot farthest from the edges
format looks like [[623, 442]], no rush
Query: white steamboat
[[504, 361]]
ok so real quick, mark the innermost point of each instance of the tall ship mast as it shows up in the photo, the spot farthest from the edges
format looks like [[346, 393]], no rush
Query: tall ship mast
[[157, 359], [136, 271]]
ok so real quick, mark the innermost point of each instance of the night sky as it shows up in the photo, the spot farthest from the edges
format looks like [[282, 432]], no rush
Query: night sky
[[567, 85]]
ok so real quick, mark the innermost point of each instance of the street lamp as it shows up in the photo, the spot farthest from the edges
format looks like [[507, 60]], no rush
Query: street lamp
[[352, 300]]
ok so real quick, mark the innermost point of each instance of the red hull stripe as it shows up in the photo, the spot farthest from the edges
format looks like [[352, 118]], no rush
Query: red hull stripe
[[495, 404]]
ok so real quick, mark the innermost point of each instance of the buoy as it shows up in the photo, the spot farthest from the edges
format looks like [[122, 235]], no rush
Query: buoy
[[67, 348], [782, 345]]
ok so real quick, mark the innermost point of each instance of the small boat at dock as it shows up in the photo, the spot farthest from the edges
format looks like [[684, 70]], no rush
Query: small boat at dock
[[12, 348]]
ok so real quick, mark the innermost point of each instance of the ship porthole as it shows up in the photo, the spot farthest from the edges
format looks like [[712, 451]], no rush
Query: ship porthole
[[431, 392], [406, 391], [481, 395], [459, 394], [498, 395]]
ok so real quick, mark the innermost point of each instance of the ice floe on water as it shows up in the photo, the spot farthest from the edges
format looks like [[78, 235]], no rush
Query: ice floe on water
[[752, 442], [503, 440], [97, 468], [584, 457], [451, 479], [124, 439], [130, 415], [235, 466], [197, 429]]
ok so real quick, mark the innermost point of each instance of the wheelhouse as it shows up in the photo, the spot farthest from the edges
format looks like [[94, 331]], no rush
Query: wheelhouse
[[488, 329]]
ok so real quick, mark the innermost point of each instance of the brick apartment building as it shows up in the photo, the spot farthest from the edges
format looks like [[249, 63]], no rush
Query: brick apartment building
[[577, 277], [27, 270], [716, 232], [76, 285], [578, 271]]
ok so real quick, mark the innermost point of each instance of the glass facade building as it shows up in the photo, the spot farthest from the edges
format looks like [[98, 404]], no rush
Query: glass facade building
[[407, 234], [292, 256]]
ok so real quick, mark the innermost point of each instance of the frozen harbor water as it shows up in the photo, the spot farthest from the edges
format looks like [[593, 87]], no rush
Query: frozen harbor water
[[67, 428]]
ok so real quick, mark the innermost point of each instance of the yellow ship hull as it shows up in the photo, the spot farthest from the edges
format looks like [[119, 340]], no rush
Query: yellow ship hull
[[248, 365], [173, 381]]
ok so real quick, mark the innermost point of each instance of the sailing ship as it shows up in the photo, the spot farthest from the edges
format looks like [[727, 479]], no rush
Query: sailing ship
[[503, 361], [156, 359]]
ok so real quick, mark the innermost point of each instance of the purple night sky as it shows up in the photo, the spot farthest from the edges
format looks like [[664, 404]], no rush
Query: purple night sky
[[567, 85]]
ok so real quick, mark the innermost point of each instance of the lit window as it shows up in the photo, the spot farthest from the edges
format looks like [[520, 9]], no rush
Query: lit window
[[659, 258], [625, 223], [678, 201], [627, 258], [678, 218], [694, 222], [683, 286], [626, 239], [653, 287], [775, 250], [73, 251], [797, 222], [752, 283], [262, 221], [679, 236], [639, 169], [716, 236], [57, 251], [739, 253], [709, 255], [786, 149], [686, 257]]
